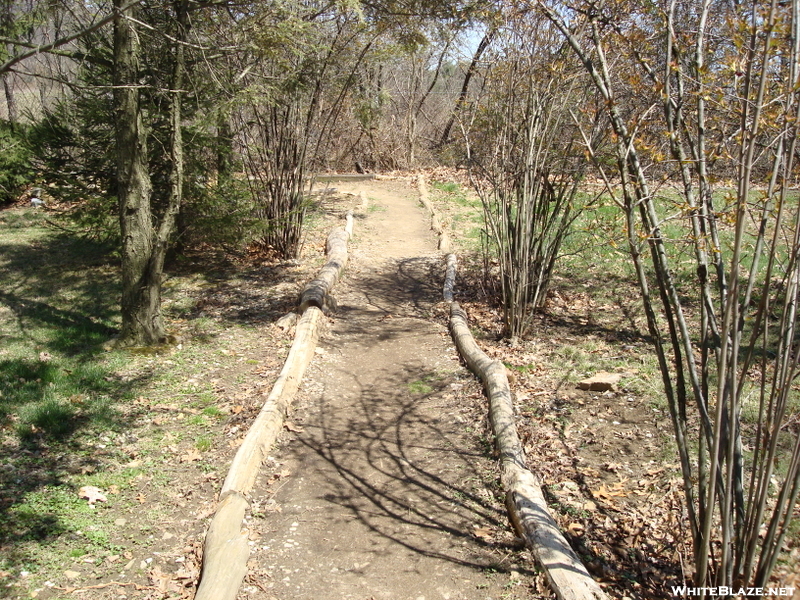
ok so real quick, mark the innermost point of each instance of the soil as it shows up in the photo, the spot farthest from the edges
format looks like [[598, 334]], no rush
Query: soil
[[384, 484], [391, 494]]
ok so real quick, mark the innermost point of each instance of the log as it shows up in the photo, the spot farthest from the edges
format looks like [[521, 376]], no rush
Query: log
[[435, 225], [316, 292], [444, 239], [444, 242], [527, 507], [287, 321], [423, 193], [348, 228], [226, 550], [344, 177], [450, 278], [265, 429]]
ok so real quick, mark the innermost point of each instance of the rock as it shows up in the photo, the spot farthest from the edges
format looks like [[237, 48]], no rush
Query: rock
[[602, 381]]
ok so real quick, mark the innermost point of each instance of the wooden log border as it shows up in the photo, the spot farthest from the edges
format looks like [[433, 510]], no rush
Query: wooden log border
[[526, 505], [316, 291], [226, 549], [436, 225]]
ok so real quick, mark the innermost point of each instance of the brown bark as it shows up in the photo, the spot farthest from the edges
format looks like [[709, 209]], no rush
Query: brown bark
[[450, 278], [144, 247], [11, 99], [526, 504], [316, 292], [142, 322]]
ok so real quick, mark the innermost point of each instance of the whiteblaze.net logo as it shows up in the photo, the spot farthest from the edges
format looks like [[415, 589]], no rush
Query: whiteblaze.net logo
[[685, 591]]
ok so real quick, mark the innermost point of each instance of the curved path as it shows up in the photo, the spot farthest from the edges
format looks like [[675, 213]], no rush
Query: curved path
[[383, 490]]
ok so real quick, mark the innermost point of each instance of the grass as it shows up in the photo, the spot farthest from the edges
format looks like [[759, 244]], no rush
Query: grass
[[54, 375], [59, 390], [463, 211], [419, 387], [63, 401], [131, 424]]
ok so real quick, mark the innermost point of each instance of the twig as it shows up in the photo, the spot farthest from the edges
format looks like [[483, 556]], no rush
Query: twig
[[105, 585]]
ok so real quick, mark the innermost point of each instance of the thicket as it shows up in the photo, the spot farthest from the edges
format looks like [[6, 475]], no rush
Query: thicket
[[16, 171], [527, 160]]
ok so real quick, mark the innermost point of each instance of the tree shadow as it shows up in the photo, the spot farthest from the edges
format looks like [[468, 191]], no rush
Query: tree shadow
[[58, 305], [400, 468]]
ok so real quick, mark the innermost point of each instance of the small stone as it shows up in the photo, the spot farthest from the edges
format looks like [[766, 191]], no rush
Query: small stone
[[71, 574], [602, 381]]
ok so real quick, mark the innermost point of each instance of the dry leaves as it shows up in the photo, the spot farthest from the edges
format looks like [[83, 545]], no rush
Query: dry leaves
[[92, 494]]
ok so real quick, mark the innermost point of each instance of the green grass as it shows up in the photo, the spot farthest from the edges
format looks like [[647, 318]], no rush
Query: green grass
[[54, 375], [59, 389], [30, 528], [419, 387], [204, 443]]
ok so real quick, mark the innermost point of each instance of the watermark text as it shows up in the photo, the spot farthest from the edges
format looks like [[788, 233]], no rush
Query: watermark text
[[731, 591]]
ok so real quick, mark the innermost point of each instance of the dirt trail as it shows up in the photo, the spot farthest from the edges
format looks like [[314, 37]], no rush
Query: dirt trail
[[379, 492]]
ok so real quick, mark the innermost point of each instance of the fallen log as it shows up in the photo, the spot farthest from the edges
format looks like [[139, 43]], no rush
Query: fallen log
[[265, 429], [525, 502], [329, 178], [444, 242], [422, 188], [225, 550], [436, 225], [450, 278], [348, 228], [316, 291]]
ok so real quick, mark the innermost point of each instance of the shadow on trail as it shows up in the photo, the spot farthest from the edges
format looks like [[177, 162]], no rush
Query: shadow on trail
[[410, 470], [408, 290], [393, 297]]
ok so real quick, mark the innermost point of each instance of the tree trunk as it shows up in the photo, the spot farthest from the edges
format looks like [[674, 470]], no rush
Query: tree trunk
[[11, 99], [142, 323], [462, 96], [6, 26], [144, 245]]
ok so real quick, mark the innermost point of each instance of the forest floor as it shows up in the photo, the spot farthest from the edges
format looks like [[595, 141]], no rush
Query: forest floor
[[384, 484]]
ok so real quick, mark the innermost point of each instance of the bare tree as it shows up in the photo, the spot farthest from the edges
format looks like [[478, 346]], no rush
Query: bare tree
[[725, 78], [527, 160]]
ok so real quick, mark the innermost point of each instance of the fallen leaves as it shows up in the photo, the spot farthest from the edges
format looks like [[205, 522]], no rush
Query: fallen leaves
[[191, 456], [483, 533], [292, 427], [615, 491], [92, 494]]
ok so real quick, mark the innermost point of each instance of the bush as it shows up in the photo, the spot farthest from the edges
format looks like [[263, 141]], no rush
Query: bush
[[16, 172]]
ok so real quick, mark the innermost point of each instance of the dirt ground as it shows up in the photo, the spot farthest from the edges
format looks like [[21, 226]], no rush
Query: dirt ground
[[384, 484], [390, 489]]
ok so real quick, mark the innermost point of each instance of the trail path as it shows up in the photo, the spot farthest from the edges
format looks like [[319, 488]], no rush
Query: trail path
[[380, 490]]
